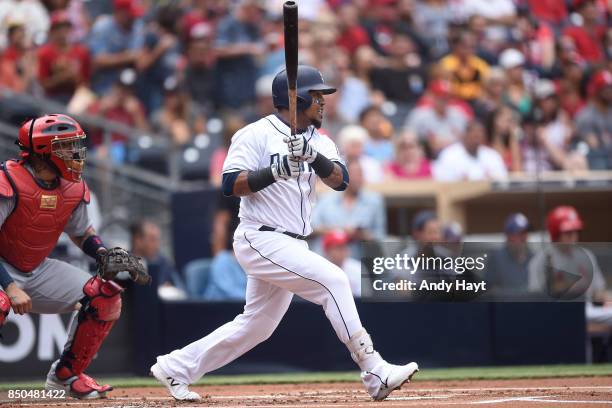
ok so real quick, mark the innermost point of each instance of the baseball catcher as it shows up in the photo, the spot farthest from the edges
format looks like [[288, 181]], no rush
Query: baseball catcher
[[42, 195]]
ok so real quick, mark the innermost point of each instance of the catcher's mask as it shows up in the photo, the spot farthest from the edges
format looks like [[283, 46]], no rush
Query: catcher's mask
[[59, 141]]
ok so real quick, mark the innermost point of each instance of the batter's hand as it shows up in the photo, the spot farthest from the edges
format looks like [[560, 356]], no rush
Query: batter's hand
[[285, 169], [20, 301], [300, 149]]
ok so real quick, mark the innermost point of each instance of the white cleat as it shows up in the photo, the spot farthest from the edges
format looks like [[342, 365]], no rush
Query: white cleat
[[398, 376], [180, 391]]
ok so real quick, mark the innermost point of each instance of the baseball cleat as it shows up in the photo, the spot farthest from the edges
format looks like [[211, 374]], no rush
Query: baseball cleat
[[398, 376], [77, 386], [180, 391]]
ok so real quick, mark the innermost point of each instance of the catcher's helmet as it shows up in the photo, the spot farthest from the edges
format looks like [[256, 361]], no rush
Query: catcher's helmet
[[57, 139], [308, 79], [562, 219]]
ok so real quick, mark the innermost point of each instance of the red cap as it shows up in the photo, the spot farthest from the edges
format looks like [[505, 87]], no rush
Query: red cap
[[132, 6], [599, 81], [440, 88], [334, 238], [59, 17]]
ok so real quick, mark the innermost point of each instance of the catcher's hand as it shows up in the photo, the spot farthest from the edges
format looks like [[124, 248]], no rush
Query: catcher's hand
[[112, 261]]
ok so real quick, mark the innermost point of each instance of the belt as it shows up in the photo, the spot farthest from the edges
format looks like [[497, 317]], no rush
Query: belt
[[291, 234]]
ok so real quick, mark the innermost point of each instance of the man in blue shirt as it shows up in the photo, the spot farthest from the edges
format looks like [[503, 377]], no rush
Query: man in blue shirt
[[238, 43], [115, 43], [506, 271]]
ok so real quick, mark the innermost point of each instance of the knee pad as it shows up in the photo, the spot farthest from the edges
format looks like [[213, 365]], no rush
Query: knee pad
[[5, 307], [100, 308]]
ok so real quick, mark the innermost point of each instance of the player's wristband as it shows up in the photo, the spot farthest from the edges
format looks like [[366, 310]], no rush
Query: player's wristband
[[260, 179], [5, 278], [92, 245], [322, 166]]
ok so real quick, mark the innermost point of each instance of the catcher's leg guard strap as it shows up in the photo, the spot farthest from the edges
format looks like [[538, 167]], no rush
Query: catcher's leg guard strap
[[5, 307], [362, 350], [100, 309]]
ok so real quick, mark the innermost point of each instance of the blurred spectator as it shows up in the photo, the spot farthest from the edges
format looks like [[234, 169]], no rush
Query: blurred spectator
[[115, 43], [516, 95], [379, 128], [77, 14], [198, 13], [159, 58], [566, 270], [594, 122], [438, 123], [410, 161], [237, 44], [336, 250], [233, 123], [588, 34], [492, 97], [200, 70], [351, 141], [402, 79], [550, 11], [504, 134], [384, 20], [17, 62], [466, 71], [432, 19], [426, 233], [361, 214], [145, 243], [470, 159], [497, 12], [355, 93], [506, 270], [226, 280], [62, 66], [571, 83], [118, 105], [536, 39], [29, 13], [556, 128], [178, 118], [352, 34]]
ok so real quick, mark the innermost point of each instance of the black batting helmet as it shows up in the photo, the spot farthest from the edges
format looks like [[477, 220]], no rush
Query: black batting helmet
[[308, 79]]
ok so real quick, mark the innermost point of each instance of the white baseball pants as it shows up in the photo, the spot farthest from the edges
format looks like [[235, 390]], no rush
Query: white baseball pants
[[277, 266]]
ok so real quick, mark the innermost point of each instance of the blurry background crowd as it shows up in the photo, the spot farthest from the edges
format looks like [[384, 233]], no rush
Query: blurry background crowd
[[448, 90]]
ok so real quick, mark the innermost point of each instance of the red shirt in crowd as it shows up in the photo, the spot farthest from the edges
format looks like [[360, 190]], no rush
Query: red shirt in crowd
[[423, 171], [353, 38], [554, 11], [52, 58], [588, 45]]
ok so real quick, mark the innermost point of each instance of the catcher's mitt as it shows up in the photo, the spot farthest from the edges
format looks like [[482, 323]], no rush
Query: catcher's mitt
[[115, 260]]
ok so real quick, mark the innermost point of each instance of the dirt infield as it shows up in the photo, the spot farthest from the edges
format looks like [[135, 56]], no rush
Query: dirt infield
[[570, 392]]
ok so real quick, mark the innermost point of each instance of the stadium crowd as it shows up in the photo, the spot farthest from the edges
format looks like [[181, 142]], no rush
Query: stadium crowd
[[427, 89], [443, 89]]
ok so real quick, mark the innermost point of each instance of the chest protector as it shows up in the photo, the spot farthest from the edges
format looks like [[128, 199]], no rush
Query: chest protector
[[40, 215]]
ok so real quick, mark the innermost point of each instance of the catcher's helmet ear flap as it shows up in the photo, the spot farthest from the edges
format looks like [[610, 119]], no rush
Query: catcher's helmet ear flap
[[308, 79]]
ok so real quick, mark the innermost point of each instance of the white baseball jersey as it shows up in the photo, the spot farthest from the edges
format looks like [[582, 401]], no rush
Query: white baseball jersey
[[258, 145]]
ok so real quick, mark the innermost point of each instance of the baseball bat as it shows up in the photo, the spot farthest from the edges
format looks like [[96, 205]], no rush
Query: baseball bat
[[290, 20]]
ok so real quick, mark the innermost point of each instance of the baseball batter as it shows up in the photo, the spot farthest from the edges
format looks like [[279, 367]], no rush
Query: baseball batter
[[42, 195], [275, 174]]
